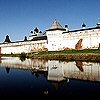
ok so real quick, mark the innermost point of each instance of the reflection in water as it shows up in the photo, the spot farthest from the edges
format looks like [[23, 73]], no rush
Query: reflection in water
[[50, 78], [58, 85], [22, 56], [0, 59], [79, 64], [22, 59], [7, 70], [57, 71], [39, 73]]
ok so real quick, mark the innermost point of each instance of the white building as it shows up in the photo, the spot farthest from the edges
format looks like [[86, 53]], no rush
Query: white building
[[23, 46], [61, 38], [56, 38]]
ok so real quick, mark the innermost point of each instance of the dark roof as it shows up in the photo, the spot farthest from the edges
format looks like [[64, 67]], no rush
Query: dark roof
[[39, 38], [83, 29], [83, 25], [36, 30], [56, 29], [34, 39], [13, 42], [7, 39]]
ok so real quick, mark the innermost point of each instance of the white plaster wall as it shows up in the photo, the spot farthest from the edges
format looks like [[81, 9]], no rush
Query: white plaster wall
[[19, 47], [91, 39], [55, 39]]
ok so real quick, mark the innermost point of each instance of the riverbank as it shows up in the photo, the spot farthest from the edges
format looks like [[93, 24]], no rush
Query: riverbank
[[69, 55]]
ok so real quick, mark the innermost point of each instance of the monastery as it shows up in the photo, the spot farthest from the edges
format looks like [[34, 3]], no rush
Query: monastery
[[56, 38]]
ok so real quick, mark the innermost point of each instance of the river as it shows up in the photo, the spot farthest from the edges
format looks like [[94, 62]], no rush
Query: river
[[49, 79]]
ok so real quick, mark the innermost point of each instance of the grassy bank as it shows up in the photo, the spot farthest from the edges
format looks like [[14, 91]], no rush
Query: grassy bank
[[69, 55]]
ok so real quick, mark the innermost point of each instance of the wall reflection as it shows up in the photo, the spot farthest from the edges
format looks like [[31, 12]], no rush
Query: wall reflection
[[55, 70]]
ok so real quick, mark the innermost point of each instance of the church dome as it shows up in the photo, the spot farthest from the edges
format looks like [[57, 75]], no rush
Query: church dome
[[83, 25]]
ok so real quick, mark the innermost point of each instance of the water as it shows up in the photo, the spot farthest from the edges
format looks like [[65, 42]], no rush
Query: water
[[49, 79]]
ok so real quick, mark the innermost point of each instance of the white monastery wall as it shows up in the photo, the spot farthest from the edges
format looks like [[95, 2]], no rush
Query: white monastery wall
[[25, 46], [91, 39], [58, 38]]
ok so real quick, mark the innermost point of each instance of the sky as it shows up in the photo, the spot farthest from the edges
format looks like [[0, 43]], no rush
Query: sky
[[19, 17]]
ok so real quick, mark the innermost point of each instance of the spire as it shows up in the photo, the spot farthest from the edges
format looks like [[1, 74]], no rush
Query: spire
[[7, 39], [56, 25]]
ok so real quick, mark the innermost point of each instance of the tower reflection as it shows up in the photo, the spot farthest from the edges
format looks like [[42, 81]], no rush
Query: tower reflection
[[7, 70], [79, 65]]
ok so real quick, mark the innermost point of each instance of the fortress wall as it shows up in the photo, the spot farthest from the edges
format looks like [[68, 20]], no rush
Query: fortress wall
[[19, 47], [56, 41], [91, 39]]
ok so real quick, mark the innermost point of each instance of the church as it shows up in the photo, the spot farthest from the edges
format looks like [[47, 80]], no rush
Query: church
[[56, 38]]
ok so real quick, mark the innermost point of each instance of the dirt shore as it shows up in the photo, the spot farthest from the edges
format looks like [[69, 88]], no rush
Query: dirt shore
[[70, 57]]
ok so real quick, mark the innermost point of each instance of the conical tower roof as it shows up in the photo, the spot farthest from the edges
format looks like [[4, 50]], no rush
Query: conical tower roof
[[55, 26]]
